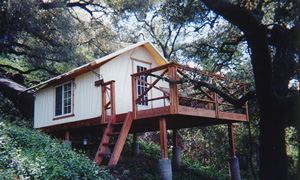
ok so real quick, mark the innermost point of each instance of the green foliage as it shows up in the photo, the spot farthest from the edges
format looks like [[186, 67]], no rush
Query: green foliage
[[196, 169], [150, 150], [145, 166], [208, 145], [29, 154], [292, 149]]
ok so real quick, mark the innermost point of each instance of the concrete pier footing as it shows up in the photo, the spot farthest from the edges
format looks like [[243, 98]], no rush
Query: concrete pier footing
[[165, 169], [176, 157], [234, 168], [135, 149]]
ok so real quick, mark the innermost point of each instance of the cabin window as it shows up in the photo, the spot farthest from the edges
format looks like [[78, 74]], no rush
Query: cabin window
[[141, 86], [63, 99]]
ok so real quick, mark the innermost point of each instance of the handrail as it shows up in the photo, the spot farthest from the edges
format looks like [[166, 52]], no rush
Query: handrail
[[203, 96], [108, 89]]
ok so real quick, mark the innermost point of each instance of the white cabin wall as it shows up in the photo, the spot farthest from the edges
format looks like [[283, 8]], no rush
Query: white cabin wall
[[43, 107], [87, 102], [142, 54], [119, 69], [87, 97]]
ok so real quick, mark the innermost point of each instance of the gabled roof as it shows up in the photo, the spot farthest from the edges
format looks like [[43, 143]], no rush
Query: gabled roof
[[99, 62]]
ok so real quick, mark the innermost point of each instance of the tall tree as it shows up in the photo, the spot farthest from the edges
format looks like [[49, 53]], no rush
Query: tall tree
[[271, 72], [40, 39], [270, 30]]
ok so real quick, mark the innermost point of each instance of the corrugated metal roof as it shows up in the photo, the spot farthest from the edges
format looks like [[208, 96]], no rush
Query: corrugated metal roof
[[99, 62]]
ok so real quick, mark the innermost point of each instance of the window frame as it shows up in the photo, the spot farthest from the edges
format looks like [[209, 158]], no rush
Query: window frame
[[141, 86], [63, 114], [147, 65]]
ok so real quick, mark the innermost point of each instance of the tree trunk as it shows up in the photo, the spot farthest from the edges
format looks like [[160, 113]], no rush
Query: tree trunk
[[23, 101], [273, 160]]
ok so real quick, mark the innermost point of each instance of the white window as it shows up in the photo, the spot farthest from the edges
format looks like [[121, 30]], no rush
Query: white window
[[63, 99], [141, 84]]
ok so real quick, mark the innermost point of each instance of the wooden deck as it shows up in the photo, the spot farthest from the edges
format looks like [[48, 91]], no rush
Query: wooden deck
[[187, 117], [188, 105]]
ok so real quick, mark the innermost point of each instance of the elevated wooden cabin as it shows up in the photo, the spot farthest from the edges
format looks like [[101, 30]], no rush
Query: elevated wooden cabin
[[132, 90]]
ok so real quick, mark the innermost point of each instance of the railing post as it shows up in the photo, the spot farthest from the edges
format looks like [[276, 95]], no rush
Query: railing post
[[112, 98], [216, 103], [172, 72], [134, 96], [246, 104], [103, 91]]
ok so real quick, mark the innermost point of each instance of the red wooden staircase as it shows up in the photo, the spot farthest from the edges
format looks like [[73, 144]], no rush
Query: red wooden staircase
[[111, 130]]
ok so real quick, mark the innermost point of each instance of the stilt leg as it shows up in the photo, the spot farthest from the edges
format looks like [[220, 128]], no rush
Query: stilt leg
[[233, 160], [67, 139], [176, 150], [135, 145], [165, 167]]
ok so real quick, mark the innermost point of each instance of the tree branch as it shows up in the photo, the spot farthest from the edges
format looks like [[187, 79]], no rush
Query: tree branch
[[28, 71], [238, 103], [22, 100]]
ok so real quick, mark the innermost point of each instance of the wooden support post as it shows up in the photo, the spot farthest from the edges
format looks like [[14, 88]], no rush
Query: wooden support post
[[246, 105], [103, 95], [209, 104], [163, 137], [103, 130], [231, 140], [234, 167], [174, 103], [176, 150], [134, 96], [67, 136], [135, 145], [216, 104], [135, 137], [175, 137], [67, 139], [112, 98]]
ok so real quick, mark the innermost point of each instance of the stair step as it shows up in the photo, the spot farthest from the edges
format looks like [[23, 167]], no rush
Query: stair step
[[108, 144], [102, 154], [113, 133], [118, 123]]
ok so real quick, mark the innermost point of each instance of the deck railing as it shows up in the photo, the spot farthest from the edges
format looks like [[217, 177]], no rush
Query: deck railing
[[108, 100], [176, 85]]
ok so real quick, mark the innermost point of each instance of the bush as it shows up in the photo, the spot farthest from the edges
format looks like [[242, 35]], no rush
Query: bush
[[195, 169], [29, 154]]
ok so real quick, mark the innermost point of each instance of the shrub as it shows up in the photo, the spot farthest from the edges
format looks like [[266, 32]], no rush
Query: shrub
[[30, 154]]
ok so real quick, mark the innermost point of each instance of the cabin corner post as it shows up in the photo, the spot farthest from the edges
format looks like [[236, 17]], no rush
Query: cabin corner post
[[134, 96], [174, 103], [234, 167], [164, 164]]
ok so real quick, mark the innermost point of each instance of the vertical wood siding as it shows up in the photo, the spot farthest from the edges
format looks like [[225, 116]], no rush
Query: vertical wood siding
[[87, 97]]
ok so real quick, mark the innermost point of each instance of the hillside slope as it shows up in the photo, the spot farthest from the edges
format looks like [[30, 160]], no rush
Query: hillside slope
[[29, 154]]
